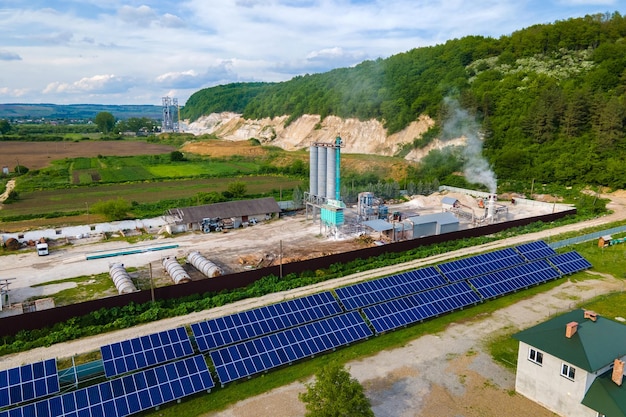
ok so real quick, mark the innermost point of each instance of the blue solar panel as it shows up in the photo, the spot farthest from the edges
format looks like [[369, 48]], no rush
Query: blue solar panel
[[127, 395], [480, 264], [235, 328], [145, 351], [535, 250], [28, 382], [420, 306], [570, 262], [270, 351], [387, 288], [513, 279]]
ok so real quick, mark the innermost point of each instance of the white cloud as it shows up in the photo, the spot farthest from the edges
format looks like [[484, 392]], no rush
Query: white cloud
[[184, 45], [194, 79], [142, 15], [107, 83], [172, 21], [13, 92]]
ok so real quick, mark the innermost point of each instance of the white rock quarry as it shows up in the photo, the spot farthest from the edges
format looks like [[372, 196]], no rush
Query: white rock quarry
[[368, 137]]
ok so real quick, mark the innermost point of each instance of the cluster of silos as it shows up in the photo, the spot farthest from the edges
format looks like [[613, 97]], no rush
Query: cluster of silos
[[175, 270], [324, 169], [202, 264], [121, 278]]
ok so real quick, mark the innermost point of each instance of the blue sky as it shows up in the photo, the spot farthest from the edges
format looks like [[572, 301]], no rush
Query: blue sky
[[135, 52]]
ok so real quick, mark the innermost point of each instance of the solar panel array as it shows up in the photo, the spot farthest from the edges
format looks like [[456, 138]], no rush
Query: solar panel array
[[270, 351], [420, 306], [535, 250], [28, 382], [249, 324], [570, 262], [254, 341], [145, 351], [480, 264], [394, 286], [127, 395], [513, 279]]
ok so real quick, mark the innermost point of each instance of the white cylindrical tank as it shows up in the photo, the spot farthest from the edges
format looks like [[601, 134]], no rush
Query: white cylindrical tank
[[313, 170], [175, 270], [204, 265], [321, 171], [121, 279], [331, 175]]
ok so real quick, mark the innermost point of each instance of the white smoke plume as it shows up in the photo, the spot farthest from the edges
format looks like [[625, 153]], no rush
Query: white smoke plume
[[459, 123]]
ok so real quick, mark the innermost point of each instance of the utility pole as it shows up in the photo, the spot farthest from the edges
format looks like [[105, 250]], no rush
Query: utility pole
[[280, 257], [151, 284]]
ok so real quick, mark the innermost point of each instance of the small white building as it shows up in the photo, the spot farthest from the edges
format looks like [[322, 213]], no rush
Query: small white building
[[574, 365]]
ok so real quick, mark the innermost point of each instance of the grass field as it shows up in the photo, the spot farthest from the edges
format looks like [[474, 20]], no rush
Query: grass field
[[87, 171], [72, 199]]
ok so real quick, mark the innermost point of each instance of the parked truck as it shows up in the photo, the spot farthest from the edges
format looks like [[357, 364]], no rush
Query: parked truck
[[42, 248]]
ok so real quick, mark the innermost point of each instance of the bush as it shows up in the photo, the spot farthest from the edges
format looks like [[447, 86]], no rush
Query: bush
[[12, 197], [176, 156], [112, 209], [20, 169]]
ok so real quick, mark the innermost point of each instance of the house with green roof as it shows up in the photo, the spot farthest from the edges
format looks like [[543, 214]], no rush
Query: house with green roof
[[573, 365]]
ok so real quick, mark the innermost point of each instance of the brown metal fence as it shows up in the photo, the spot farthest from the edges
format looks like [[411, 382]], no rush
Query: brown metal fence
[[39, 319]]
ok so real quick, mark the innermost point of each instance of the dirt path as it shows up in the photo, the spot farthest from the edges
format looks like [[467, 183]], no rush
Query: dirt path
[[9, 187]]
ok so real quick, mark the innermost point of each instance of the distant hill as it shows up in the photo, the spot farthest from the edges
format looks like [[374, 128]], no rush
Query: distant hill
[[76, 111]]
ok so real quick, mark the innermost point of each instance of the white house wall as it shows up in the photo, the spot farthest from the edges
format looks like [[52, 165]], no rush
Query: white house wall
[[545, 385], [87, 230]]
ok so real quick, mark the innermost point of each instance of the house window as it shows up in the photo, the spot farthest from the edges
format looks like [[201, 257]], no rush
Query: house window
[[568, 371], [535, 356]]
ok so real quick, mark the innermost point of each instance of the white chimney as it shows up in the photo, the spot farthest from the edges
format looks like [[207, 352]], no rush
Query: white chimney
[[491, 208]]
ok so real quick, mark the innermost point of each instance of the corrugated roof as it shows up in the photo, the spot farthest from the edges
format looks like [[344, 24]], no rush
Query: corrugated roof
[[227, 209], [592, 347], [449, 200], [606, 397], [442, 218], [379, 225]]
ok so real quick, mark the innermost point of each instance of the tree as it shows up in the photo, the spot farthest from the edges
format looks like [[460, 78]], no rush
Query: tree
[[237, 189], [20, 169], [335, 394], [105, 121], [5, 127], [177, 156], [112, 209]]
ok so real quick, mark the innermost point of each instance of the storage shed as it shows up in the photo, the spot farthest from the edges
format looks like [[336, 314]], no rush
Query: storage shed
[[242, 211], [448, 203], [433, 224]]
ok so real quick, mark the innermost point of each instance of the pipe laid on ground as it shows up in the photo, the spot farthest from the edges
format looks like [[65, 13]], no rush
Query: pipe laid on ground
[[202, 264], [175, 270], [121, 279]]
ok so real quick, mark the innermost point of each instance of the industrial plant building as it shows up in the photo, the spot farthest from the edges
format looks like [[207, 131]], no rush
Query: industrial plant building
[[239, 212]]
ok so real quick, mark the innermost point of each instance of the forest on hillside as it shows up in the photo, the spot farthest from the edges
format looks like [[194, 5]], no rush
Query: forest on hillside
[[550, 99]]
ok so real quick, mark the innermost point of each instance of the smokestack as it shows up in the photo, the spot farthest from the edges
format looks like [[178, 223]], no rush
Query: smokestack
[[618, 372], [570, 329], [591, 315]]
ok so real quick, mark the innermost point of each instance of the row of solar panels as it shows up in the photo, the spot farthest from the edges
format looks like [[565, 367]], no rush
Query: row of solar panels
[[282, 333], [126, 395]]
